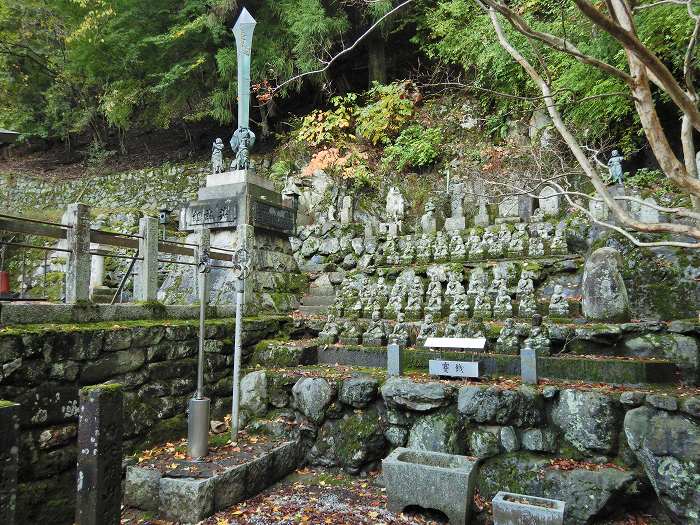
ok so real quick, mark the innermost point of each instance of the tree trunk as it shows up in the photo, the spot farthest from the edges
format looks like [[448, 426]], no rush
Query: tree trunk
[[376, 48]]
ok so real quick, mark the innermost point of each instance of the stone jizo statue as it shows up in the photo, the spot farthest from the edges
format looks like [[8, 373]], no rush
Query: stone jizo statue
[[395, 205], [508, 342], [615, 167], [527, 307], [539, 341], [558, 305], [375, 335], [217, 156], [441, 250], [454, 287], [460, 306], [453, 329], [350, 334], [400, 333], [428, 328], [482, 306], [503, 307], [525, 285], [457, 249]]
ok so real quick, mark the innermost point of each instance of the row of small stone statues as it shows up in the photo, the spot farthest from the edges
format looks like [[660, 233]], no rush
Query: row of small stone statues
[[493, 244], [362, 298], [379, 333]]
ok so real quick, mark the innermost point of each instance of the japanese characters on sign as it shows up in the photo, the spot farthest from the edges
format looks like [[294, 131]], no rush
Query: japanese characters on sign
[[212, 213], [437, 367], [273, 217]]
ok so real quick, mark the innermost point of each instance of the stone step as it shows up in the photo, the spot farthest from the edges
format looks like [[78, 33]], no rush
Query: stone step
[[313, 310], [321, 291], [317, 300]]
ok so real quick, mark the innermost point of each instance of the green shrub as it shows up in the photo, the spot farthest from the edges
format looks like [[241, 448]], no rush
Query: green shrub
[[326, 127], [415, 147], [390, 110]]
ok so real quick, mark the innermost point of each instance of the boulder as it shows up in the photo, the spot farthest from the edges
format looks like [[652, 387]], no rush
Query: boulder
[[494, 405], [400, 392], [350, 442], [141, 488], [310, 247], [254, 392], [358, 391], [396, 436], [539, 440], [589, 420], [603, 289], [485, 442], [329, 246], [436, 433], [312, 396], [586, 492], [667, 445]]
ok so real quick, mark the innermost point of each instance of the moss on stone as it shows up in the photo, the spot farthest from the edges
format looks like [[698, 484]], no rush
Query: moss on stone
[[356, 431], [103, 387]]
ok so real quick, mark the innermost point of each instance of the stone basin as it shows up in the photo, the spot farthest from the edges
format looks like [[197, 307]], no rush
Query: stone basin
[[519, 509], [431, 480]]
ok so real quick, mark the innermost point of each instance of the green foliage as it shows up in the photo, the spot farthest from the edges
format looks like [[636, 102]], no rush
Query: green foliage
[[388, 112], [646, 178], [326, 127], [415, 147], [281, 169], [97, 157]]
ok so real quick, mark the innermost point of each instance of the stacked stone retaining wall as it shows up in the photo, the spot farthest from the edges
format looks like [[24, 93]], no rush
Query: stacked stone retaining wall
[[42, 367]]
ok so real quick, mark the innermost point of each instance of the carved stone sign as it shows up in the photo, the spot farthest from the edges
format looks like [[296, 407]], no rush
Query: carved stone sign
[[211, 213], [272, 217], [437, 367]]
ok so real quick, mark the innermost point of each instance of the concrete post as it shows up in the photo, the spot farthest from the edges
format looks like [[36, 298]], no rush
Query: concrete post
[[79, 261], [147, 286], [9, 458], [100, 425], [394, 356], [528, 365]]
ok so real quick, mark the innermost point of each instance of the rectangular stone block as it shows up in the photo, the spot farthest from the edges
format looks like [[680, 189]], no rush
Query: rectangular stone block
[[9, 460], [77, 216], [528, 366], [514, 509], [394, 360], [186, 500], [142, 487], [99, 494], [431, 480], [230, 487]]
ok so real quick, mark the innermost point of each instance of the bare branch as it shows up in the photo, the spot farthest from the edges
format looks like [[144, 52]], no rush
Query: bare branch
[[345, 50], [628, 39]]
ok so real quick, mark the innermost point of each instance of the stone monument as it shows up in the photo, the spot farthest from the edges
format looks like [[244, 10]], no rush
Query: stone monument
[[558, 305], [549, 201], [508, 342], [603, 288], [428, 222], [456, 221]]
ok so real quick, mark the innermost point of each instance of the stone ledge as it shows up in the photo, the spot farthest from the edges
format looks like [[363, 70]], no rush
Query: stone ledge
[[614, 371], [42, 313]]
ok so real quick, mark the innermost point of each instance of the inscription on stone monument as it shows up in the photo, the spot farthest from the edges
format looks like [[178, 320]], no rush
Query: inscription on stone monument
[[212, 213], [272, 217]]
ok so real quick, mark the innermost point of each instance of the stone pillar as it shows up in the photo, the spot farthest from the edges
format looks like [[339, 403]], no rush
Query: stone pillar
[[146, 289], [203, 243], [347, 210], [394, 356], [9, 458], [99, 494], [97, 274], [528, 365], [79, 261]]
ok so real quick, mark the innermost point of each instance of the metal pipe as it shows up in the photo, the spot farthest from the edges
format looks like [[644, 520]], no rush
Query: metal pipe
[[177, 262], [132, 235], [202, 313], [116, 255], [126, 276], [4, 216], [34, 246], [240, 283]]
